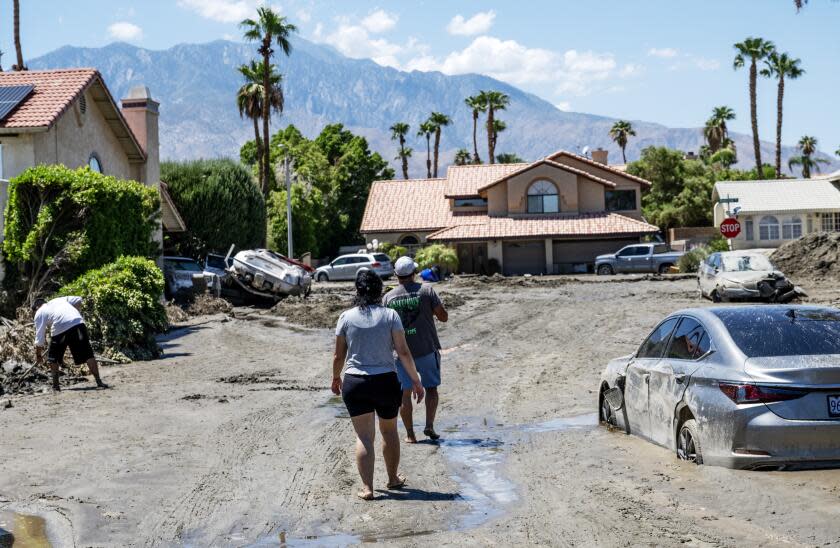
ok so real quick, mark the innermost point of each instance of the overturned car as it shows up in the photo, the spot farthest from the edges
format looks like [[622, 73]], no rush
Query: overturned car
[[267, 274], [744, 275]]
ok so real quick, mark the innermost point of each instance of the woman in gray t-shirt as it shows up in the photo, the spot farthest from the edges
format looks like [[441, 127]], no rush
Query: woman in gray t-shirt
[[365, 339]]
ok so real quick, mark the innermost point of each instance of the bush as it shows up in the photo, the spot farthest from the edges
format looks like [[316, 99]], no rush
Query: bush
[[393, 251], [62, 222], [717, 244], [122, 306], [437, 255], [690, 261], [220, 204]]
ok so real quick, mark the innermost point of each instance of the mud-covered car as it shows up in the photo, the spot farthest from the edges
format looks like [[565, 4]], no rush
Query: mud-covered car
[[265, 273], [744, 275], [178, 274], [754, 387]]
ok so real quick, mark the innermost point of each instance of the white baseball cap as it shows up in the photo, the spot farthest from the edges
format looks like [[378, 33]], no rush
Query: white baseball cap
[[405, 266]]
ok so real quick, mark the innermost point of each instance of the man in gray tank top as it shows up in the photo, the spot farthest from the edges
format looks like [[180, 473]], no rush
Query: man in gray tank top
[[418, 305]]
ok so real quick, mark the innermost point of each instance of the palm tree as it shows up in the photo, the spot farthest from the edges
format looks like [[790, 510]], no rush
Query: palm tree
[[438, 121], [799, 4], [716, 132], [837, 152], [509, 158], [249, 99], [463, 157], [498, 127], [495, 101], [398, 132], [620, 132], [19, 65], [426, 130], [781, 66], [477, 104], [807, 147], [754, 49], [269, 29]]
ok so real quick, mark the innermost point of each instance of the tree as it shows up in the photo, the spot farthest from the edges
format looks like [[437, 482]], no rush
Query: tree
[[398, 133], [498, 127], [462, 157], [438, 121], [269, 29], [754, 49], [495, 101], [620, 132], [509, 158], [477, 104], [249, 100], [18, 50], [837, 152], [716, 132], [807, 148], [220, 205], [799, 4], [781, 66], [426, 130]]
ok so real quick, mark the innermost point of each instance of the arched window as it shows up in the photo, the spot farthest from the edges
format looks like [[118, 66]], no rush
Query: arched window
[[543, 198], [792, 228], [409, 240], [94, 164], [768, 228]]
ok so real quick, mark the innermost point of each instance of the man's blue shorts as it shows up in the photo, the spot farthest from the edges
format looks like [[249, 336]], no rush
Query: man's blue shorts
[[428, 367]]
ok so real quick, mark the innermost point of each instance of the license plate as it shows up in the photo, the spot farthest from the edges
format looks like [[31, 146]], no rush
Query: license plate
[[834, 406]]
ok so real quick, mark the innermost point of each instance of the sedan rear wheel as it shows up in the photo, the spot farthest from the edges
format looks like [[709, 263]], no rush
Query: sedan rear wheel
[[322, 277], [716, 298], [605, 270], [606, 413], [688, 443]]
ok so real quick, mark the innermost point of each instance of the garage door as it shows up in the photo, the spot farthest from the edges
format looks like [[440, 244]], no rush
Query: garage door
[[524, 258], [568, 256]]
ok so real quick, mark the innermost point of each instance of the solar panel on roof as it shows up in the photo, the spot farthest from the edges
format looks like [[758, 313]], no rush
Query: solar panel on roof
[[11, 96]]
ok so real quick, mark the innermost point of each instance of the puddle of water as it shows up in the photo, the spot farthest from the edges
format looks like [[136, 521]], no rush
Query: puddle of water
[[22, 531], [581, 422]]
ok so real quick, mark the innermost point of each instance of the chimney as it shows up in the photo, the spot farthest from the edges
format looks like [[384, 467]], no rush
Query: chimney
[[600, 156], [141, 113]]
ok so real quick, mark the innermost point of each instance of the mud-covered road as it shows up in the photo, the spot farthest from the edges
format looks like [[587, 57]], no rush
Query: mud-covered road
[[234, 439]]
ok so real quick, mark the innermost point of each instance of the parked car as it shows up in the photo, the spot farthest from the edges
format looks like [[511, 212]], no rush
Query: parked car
[[217, 264], [178, 275], [655, 257], [743, 275], [754, 387], [346, 267]]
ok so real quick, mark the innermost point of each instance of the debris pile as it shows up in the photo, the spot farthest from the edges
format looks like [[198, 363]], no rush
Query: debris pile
[[812, 256], [203, 305], [319, 311], [452, 300]]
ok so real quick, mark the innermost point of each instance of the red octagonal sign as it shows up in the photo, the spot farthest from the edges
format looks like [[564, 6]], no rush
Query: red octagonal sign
[[730, 228]]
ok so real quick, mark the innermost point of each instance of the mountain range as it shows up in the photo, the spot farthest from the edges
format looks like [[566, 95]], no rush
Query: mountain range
[[196, 86]]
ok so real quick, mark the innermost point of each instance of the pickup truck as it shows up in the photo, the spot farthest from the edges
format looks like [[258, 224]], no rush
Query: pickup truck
[[656, 258]]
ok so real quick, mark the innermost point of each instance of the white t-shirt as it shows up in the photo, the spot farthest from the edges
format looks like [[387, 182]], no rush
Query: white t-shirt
[[60, 314]]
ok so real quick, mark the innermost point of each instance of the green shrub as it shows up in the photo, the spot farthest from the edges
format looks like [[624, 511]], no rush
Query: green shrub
[[393, 251], [717, 244], [690, 261], [122, 306], [437, 255], [62, 222], [220, 204]]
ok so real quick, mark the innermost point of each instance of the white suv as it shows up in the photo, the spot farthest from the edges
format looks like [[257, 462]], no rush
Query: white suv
[[347, 266]]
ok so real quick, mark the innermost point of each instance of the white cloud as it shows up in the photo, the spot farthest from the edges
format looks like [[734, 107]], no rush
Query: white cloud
[[123, 30], [630, 69], [304, 15], [379, 21], [706, 64], [664, 53], [477, 24], [354, 41], [224, 11], [564, 106]]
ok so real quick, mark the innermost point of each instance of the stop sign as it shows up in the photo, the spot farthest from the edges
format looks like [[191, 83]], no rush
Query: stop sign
[[730, 228]]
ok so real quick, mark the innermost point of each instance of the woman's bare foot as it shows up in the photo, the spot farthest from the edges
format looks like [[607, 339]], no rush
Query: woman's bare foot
[[365, 494], [410, 438], [397, 483]]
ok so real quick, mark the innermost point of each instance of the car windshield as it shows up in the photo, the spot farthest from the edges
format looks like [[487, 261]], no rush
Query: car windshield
[[746, 263], [214, 261], [783, 332], [183, 264]]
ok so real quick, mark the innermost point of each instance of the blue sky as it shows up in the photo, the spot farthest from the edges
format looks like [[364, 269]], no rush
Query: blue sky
[[656, 60]]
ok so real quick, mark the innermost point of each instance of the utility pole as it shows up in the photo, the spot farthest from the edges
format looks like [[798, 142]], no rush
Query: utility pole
[[289, 248]]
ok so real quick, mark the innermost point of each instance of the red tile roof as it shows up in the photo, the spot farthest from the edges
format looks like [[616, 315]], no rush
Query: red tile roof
[[558, 226], [464, 181], [538, 163], [54, 91], [621, 172]]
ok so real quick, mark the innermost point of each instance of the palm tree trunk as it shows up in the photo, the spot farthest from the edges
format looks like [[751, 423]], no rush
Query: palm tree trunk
[[18, 49], [428, 157], [754, 118], [623, 156], [806, 167], [476, 159], [437, 149], [266, 116], [403, 157], [779, 126], [258, 141], [490, 144]]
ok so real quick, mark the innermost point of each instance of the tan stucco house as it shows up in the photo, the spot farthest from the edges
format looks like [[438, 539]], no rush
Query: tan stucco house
[[554, 215], [774, 212], [69, 117]]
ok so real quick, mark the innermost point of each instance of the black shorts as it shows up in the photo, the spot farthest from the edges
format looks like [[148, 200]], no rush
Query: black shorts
[[368, 393], [77, 339]]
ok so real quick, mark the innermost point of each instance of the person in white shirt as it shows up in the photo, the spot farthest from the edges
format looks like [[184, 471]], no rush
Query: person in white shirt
[[62, 316]]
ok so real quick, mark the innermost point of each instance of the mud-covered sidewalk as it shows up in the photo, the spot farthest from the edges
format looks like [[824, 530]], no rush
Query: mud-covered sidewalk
[[234, 439]]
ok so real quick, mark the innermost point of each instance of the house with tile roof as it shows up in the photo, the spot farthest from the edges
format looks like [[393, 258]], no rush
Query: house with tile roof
[[554, 215], [69, 117], [774, 212]]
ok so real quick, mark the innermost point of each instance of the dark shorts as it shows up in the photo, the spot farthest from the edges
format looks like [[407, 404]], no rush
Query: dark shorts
[[368, 393], [77, 339]]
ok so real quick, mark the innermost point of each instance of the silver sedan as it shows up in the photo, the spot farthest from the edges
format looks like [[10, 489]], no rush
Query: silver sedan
[[754, 387]]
